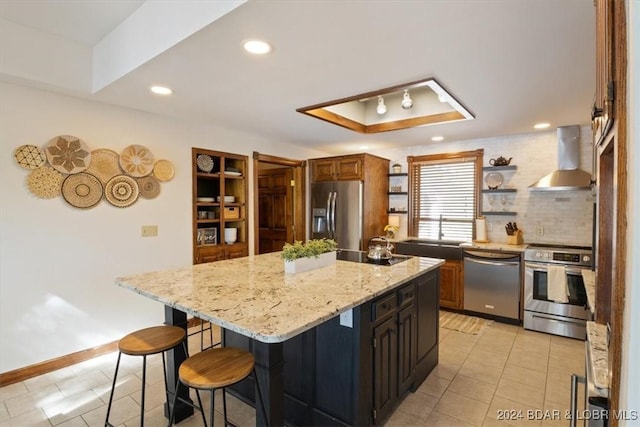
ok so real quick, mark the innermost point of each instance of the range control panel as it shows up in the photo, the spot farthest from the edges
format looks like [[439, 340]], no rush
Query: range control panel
[[577, 256]]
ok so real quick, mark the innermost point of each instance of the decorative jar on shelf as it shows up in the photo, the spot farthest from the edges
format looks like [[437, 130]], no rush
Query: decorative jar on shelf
[[396, 168]]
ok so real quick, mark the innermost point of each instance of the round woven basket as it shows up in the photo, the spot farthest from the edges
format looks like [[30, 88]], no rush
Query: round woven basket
[[136, 160], [30, 156], [149, 187], [82, 190], [68, 154], [164, 170], [104, 164], [121, 191], [45, 182]]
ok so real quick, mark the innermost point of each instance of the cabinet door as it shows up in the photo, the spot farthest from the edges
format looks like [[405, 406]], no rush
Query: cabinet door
[[324, 170], [406, 348], [349, 169], [385, 367], [210, 254], [236, 251], [451, 285]]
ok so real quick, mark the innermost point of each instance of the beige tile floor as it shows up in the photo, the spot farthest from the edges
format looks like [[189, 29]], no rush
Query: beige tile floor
[[505, 370]]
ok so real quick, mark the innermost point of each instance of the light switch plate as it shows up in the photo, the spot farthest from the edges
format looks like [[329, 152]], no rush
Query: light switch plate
[[149, 231], [539, 230], [346, 318]]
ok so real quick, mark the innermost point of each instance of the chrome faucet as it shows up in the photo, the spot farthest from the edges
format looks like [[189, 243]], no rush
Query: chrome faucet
[[440, 235]]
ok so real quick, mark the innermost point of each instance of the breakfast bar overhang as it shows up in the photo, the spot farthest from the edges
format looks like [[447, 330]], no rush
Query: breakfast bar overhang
[[254, 298]]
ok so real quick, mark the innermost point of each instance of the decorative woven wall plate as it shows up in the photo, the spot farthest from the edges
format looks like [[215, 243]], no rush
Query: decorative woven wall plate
[[204, 162], [82, 190], [136, 160], [121, 191], [164, 170], [30, 156], [149, 187], [68, 154], [104, 164], [45, 182]]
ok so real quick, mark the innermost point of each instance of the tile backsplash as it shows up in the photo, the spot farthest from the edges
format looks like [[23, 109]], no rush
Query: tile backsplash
[[563, 217]]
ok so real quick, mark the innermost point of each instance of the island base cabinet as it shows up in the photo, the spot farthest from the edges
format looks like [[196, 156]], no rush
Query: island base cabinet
[[427, 325], [336, 375]]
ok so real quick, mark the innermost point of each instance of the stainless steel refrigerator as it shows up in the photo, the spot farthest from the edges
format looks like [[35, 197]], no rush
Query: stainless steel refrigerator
[[337, 212]]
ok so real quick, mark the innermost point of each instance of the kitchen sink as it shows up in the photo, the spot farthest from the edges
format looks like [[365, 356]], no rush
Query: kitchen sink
[[430, 248]]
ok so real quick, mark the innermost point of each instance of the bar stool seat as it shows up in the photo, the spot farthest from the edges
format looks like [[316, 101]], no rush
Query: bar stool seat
[[146, 342], [214, 369]]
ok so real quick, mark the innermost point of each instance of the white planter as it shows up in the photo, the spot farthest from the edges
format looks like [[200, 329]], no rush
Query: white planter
[[305, 264]]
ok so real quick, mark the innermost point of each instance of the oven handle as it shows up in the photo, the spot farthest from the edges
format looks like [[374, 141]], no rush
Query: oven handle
[[575, 379], [543, 268]]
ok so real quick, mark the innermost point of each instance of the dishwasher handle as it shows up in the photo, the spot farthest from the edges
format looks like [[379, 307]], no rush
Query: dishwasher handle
[[493, 263]]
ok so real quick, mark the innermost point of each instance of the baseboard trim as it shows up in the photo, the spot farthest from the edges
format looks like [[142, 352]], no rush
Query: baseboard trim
[[21, 374]]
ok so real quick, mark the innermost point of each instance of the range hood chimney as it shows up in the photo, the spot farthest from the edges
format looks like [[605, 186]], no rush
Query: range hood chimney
[[568, 176]]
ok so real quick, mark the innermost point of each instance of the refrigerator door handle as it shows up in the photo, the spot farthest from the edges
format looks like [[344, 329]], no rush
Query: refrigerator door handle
[[328, 214], [333, 215]]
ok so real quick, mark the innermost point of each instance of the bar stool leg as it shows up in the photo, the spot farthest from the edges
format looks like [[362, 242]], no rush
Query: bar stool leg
[[113, 388], [212, 414], [224, 406], [144, 381]]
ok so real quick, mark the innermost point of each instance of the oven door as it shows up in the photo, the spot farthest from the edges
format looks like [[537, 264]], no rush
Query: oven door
[[535, 288]]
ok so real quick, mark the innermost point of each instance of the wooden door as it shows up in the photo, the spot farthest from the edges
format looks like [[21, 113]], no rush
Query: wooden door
[[274, 208]]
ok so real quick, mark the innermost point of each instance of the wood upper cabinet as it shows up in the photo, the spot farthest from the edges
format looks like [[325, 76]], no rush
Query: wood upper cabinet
[[220, 195], [602, 112], [451, 285], [373, 172], [344, 168]]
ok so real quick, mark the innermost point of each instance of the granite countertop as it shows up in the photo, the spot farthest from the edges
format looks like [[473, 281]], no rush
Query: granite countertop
[[599, 357], [256, 298], [495, 246], [589, 279]]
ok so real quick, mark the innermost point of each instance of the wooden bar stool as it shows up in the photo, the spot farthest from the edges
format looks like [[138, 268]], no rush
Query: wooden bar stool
[[146, 342], [213, 369]]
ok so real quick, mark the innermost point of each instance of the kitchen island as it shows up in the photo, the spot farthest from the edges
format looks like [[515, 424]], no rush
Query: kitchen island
[[253, 299]]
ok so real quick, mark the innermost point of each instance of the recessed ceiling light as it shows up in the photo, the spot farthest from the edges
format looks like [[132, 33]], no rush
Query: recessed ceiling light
[[541, 125], [257, 47], [161, 90], [437, 138]]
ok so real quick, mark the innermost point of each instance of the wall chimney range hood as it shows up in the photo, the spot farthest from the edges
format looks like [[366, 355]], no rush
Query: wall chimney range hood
[[568, 176]]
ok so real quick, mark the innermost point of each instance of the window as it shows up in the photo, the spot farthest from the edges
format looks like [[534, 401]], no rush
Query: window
[[443, 195]]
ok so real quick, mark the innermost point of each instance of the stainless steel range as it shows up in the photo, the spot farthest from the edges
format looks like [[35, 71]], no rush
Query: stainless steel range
[[543, 314]]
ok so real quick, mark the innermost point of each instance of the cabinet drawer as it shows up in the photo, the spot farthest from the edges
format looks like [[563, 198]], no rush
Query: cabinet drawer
[[406, 295], [383, 307]]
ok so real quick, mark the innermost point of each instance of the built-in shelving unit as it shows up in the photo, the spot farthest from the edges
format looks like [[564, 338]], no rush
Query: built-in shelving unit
[[393, 195], [220, 192]]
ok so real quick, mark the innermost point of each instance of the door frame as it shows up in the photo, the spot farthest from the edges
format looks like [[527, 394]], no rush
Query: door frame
[[299, 194]]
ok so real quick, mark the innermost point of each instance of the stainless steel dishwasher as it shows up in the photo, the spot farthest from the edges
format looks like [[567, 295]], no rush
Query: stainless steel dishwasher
[[492, 283]]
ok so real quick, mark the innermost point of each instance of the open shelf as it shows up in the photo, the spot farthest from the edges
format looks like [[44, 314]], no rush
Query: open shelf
[[398, 174], [498, 213], [500, 168], [500, 190]]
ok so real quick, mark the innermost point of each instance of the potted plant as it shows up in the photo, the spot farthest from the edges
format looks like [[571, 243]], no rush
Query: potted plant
[[316, 253]]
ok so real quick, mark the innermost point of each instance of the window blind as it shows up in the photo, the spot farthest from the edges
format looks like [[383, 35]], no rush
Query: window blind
[[443, 198]]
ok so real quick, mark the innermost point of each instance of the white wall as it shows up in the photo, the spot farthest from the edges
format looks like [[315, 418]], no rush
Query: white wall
[[58, 263], [566, 216]]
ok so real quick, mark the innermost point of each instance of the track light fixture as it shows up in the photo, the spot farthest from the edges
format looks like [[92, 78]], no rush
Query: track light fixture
[[381, 108], [407, 102]]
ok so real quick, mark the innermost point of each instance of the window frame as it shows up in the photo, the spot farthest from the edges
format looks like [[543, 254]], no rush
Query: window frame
[[476, 156]]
